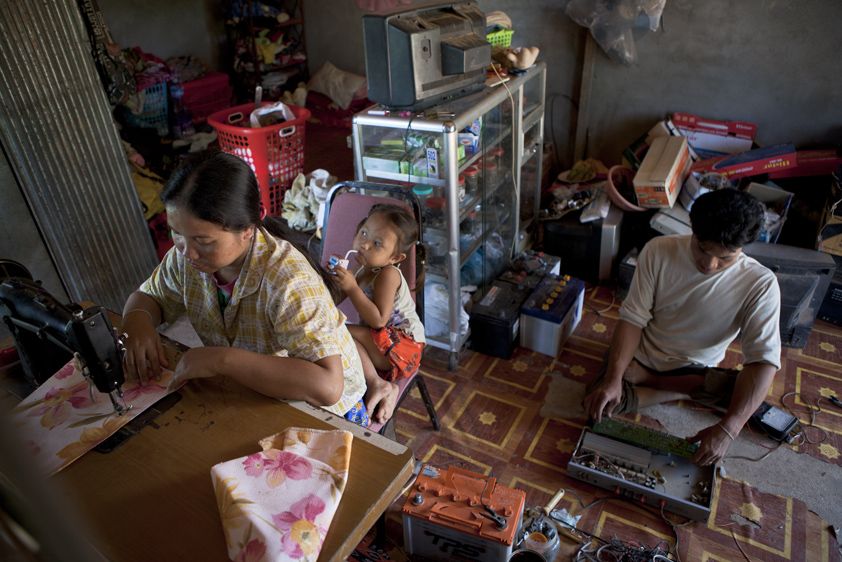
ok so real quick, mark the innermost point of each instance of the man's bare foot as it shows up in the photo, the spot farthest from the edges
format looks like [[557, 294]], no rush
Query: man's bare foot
[[380, 400]]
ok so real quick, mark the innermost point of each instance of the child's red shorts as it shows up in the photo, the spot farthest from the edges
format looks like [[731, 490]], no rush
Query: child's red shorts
[[403, 352]]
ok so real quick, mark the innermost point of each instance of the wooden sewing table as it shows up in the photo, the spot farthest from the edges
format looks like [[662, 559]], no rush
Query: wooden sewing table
[[152, 498]]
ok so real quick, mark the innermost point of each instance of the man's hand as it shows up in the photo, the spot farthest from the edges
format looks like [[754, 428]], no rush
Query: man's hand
[[199, 363], [380, 400], [603, 399], [713, 445], [344, 278]]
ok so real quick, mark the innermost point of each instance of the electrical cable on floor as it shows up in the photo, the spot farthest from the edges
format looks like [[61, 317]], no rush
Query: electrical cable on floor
[[758, 459], [601, 311], [814, 410], [737, 542], [673, 525]]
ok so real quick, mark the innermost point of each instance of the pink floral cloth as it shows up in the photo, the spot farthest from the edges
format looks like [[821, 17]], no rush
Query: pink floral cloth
[[277, 504], [64, 418]]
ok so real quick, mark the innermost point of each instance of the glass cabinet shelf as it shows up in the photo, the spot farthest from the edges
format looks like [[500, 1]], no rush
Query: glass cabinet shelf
[[467, 161]]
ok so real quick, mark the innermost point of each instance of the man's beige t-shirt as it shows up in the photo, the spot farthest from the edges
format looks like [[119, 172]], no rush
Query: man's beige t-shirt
[[689, 318]]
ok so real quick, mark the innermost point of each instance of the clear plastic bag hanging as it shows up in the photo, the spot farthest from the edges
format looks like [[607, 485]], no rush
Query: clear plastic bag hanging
[[612, 23]]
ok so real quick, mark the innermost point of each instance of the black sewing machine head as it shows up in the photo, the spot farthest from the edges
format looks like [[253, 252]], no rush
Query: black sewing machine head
[[48, 334]]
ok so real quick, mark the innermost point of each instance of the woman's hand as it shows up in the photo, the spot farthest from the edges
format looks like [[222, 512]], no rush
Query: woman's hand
[[144, 351], [345, 279], [200, 363]]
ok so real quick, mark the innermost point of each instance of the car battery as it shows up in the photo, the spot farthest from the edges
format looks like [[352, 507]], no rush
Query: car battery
[[495, 319], [456, 514], [551, 313], [529, 267]]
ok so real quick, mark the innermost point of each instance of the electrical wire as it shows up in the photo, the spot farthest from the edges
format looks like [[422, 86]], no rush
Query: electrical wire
[[743, 552], [601, 311], [587, 554], [814, 409], [758, 459], [514, 156]]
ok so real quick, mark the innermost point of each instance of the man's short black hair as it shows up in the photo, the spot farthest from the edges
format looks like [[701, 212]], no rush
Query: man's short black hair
[[728, 217]]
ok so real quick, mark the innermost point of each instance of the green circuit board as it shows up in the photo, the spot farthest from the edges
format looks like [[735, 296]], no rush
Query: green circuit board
[[650, 439]]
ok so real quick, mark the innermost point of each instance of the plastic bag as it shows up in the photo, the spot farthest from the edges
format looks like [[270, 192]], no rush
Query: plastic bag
[[437, 311], [265, 116], [612, 23]]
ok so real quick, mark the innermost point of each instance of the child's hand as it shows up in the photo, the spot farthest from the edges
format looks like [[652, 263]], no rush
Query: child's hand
[[345, 279]]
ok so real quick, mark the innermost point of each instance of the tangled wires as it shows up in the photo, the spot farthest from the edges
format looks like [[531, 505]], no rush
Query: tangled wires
[[617, 550]]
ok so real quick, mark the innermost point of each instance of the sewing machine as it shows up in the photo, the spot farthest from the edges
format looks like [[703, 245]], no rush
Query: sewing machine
[[47, 334]]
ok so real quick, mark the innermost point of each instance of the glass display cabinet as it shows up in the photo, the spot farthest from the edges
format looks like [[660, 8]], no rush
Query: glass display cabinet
[[475, 165]]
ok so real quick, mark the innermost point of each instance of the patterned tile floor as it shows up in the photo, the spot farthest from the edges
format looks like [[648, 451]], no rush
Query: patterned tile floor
[[490, 411]]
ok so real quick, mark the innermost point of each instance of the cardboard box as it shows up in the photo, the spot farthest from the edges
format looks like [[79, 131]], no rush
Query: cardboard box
[[822, 162], [752, 163], [698, 184], [775, 199], [662, 173], [634, 153], [711, 137]]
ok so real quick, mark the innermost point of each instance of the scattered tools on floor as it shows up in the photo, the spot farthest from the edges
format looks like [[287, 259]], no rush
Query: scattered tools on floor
[[539, 532]]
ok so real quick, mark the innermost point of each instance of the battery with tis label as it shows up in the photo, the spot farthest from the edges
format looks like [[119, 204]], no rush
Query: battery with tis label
[[456, 514]]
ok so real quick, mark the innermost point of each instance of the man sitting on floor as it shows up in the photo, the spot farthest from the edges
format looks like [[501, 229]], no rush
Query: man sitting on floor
[[690, 297]]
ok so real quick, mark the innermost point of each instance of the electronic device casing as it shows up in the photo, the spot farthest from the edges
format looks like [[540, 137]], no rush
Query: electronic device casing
[[682, 472], [423, 55], [776, 423]]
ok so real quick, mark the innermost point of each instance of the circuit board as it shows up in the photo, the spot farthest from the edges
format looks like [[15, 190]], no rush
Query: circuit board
[[664, 480], [649, 439]]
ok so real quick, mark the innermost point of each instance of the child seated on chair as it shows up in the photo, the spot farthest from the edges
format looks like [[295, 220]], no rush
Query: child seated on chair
[[392, 333]]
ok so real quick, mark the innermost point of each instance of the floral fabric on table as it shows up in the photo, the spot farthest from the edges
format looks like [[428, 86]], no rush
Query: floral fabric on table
[[277, 504], [65, 418]]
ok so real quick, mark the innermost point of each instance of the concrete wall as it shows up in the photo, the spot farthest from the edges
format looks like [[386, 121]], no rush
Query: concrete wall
[[169, 28], [773, 62]]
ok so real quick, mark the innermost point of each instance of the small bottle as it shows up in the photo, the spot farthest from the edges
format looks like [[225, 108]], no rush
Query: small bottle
[[471, 175], [490, 171], [460, 185], [423, 193], [496, 153]]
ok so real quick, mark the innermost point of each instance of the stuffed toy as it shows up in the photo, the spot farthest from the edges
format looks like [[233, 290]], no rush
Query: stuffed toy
[[522, 58]]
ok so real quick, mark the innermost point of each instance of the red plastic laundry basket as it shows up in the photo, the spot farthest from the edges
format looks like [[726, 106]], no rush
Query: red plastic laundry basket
[[275, 153]]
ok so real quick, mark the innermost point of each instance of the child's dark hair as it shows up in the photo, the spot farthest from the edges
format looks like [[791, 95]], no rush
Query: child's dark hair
[[403, 221], [222, 189]]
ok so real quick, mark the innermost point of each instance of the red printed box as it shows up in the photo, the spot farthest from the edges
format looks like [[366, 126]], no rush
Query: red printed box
[[712, 137], [821, 162], [752, 163]]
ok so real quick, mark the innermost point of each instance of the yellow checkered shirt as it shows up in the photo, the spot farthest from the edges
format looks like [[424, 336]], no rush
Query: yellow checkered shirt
[[279, 306]]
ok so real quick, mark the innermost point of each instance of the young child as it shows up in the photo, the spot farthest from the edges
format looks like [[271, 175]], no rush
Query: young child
[[392, 332]]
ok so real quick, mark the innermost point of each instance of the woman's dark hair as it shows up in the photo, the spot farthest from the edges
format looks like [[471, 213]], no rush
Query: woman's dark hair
[[728, 217], [402, 220], [222, 189]]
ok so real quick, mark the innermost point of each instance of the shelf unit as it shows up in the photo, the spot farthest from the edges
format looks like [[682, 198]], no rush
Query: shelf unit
[[469, 240], [250, 25]]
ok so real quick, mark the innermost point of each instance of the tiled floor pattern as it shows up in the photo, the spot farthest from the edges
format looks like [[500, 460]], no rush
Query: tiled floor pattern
[[491, 424]]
